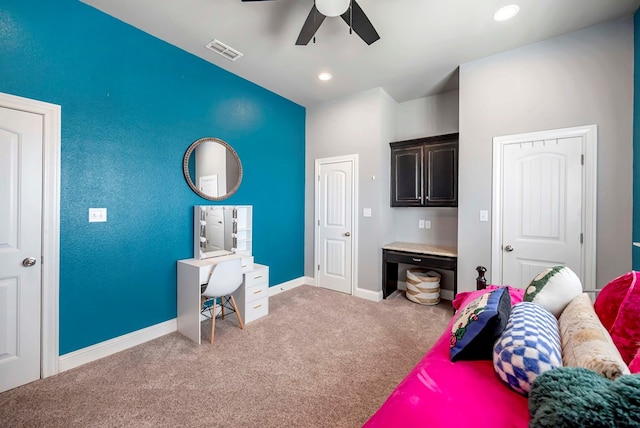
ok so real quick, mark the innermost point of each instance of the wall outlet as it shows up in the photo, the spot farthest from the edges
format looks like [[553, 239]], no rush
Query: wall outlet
[[366, 212], [427, 224], [421, 224]]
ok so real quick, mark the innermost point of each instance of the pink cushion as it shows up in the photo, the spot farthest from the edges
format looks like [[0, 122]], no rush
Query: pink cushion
[[634, 366], [438, 393], [618, 306]]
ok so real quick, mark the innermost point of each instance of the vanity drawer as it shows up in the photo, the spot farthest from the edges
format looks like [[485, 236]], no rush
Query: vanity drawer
[[247, 264], [256, 309], [256, 292], [256, 277]]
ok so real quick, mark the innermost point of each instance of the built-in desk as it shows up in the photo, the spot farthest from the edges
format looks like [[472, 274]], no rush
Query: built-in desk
[[252, 296], [422, 255]]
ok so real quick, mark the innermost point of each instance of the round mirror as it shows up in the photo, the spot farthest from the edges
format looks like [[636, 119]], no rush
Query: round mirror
[[212, 168]]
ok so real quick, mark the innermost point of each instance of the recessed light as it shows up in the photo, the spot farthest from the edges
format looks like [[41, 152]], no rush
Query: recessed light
[[325, 76], [506, 12]]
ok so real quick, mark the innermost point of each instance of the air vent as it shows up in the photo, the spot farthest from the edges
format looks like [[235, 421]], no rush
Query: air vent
[[226, 51]]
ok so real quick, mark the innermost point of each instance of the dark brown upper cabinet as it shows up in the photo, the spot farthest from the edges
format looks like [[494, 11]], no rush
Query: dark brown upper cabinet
[[424, 172]]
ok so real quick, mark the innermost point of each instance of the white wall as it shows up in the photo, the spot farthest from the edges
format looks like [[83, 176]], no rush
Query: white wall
[[365, 124], [360, 124], [582, 78], [425, 117]]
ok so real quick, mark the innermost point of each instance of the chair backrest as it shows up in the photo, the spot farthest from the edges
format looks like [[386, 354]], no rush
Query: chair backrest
[[225, 278]]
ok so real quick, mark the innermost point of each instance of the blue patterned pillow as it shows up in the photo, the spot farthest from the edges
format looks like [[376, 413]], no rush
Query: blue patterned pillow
[[528, 347], [479, 324]]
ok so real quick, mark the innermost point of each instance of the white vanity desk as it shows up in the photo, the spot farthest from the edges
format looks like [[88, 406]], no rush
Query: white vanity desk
[[252, 297]]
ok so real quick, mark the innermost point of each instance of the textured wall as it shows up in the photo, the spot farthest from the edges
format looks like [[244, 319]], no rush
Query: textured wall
[[581, 78], [131, 105], [636, 143], [353, 125]]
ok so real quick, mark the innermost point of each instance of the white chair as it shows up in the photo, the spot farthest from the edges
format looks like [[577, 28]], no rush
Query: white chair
[[225, 278]]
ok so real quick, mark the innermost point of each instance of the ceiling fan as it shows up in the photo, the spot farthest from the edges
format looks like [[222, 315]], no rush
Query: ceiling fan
[[349, 10]]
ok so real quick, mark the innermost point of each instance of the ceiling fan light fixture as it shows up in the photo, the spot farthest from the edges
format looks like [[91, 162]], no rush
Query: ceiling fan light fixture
[[332, 8], [325, 76], [506, 12]]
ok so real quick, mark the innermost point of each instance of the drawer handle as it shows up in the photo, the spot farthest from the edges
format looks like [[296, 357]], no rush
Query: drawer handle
[[244, 266], [257, 292], [416, 260], [257, 277], [257, 306]]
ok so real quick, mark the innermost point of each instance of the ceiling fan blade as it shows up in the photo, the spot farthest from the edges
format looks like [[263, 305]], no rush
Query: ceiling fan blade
[[310, 26], [356, 18]]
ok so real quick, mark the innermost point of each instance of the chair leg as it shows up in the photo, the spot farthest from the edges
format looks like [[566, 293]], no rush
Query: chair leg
[[235, 308], [213, 322], [222, 307]]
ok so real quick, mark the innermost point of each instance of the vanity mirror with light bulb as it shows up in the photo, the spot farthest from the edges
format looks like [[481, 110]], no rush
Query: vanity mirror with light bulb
[[220, 230], [213, 170]]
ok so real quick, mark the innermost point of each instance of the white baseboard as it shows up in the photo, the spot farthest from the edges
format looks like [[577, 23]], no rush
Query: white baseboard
[[285, 286], [100, 350], [374, 296], [103, 349]]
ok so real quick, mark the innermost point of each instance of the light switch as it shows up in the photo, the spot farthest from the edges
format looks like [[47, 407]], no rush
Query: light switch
[[484, 215], [427, 224], [366, 212], [97, 215], [421, 224]]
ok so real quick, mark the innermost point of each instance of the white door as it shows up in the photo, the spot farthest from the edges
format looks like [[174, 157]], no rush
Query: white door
[[335, 235], [544, 204], [542, 213], [21, 158]]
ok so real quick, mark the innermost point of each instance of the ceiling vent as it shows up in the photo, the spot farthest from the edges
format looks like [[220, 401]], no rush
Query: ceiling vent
[[224, 50]]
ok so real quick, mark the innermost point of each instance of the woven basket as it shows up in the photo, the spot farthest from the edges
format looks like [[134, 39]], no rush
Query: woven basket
[[423, 286]]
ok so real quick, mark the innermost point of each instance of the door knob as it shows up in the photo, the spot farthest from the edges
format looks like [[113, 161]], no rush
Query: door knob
[[347, 234], [508, 248], [28, 262]]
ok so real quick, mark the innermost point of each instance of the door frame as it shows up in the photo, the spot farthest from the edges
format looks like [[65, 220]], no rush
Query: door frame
[[589, 134], [354, 217], [49, 328]]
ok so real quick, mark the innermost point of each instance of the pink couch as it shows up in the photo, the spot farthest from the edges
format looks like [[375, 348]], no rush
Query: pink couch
[[439, 393]]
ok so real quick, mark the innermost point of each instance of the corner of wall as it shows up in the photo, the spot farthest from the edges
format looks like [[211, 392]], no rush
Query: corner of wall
[[636, 143]]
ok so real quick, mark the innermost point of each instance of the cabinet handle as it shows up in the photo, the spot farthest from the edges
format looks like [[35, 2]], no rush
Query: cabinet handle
[[257, 306], [257, 292], [416, 260], [257, 277]]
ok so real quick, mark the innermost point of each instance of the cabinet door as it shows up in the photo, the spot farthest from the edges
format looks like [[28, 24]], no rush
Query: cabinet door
[[441, 177], [406, 177]]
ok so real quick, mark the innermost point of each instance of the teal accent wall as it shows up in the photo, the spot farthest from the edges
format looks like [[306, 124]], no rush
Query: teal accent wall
[[131, 105], [636, 140]]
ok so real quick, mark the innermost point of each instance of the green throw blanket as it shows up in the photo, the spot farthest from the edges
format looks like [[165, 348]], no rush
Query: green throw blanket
[[577, 397]]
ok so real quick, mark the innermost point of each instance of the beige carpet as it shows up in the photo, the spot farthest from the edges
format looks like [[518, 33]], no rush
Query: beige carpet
[[319, 359]]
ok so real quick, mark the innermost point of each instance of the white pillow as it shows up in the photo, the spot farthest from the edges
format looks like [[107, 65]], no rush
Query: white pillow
[[553, 289]]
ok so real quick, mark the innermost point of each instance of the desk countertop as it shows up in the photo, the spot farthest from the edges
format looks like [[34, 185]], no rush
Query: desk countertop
[[422, 249]]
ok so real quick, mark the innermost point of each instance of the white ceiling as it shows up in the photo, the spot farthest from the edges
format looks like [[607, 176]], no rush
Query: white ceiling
[[422, 41]]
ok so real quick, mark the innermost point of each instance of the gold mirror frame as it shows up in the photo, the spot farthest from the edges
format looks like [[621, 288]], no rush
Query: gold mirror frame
[[187, 177]]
